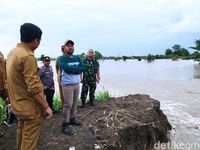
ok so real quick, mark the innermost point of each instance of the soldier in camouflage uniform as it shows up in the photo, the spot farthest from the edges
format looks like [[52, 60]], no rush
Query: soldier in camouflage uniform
[[89, 78]]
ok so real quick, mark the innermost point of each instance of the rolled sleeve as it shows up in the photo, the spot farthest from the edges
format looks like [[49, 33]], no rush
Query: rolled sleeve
[[31, 77]]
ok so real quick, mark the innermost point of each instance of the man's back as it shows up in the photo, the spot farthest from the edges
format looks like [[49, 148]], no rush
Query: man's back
[[23, 80]]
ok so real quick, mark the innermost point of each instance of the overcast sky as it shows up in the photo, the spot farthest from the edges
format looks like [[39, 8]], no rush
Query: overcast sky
[[113, 27]]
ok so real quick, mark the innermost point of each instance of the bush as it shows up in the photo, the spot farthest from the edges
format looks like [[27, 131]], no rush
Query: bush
[[103, 95], [2, 110], [175, 58], [56, 102]]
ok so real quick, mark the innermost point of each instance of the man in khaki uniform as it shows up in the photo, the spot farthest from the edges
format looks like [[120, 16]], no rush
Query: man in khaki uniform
[[3, 87], [25, 88], [4, 93]]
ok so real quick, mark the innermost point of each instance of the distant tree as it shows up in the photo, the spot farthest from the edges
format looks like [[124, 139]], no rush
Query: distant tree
[[168, 51], [175, 58], [184, 52], [82, 56], [176, 47], [197, 45], [195, 55], [177, 50], [41, 57], [98, 55], [150, 58], [124, 58]]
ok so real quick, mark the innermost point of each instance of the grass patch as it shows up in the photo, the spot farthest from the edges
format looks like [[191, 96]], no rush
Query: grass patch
[[102, 95], [56, 102], [2, 110], [175, 58]]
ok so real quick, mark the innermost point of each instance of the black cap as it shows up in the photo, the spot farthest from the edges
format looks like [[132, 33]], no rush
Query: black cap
[[30, 32], [68, 41], [46, 58]]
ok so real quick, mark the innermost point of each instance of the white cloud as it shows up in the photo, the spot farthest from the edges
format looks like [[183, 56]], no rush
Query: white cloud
[[101, 24]]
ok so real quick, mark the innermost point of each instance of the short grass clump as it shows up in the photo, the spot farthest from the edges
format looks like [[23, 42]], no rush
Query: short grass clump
[[2, 110], [56, 102], [102, 95]]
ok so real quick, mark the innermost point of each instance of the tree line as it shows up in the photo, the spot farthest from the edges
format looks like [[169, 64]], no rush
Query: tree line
[[174, 53]]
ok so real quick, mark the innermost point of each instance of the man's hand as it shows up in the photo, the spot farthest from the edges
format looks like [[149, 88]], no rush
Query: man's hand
[[8, 100], [81, 78], [97, 80], [49, 112]]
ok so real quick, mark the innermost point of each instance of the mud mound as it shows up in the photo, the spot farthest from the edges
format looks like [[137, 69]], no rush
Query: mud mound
[[134, 122]]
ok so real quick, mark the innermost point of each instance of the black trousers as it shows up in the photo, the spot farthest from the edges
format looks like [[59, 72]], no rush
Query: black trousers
[[49, 93], [88, 86]]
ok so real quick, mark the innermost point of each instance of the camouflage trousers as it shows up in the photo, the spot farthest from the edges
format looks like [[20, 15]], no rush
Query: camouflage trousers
[[88, 86]]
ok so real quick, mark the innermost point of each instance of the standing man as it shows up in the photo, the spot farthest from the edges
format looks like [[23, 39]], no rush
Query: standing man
[[3, 88], [46, 76], [71, 67], [59, 77], [25, 88], [90, 77], [4, 93]]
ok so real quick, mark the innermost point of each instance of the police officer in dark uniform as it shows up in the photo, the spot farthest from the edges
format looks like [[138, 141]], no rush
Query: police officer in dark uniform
[[89, 78], [46, 76]]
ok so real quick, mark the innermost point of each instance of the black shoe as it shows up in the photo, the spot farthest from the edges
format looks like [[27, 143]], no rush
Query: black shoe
[[66, 129], [91, 103], [55, 111], [82, 105], [9, 124], [10, 120], [75, 122]]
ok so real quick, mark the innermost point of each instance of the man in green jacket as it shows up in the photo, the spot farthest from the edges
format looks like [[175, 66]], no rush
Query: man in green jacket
[[71, 67]]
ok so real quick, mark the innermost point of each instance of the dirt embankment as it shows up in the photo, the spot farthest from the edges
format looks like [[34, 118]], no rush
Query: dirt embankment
[[134, 122]]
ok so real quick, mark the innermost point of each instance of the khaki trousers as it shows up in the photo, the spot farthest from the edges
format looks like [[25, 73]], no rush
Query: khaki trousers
[[70, 93], [28, 131]]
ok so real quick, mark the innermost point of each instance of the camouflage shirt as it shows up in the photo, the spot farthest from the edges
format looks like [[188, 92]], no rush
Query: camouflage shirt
[[92, 65]]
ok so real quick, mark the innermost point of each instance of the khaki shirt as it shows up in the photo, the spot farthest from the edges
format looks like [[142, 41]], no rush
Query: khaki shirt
[[23, 80], [2, 73]]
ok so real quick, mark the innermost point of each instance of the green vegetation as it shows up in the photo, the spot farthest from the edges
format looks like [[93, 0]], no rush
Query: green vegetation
[[56, 102], [175, 52], [98, 55], [174, 58], [150, 58], [42, 57], [103, 95], [2, 110], [82, 56], [197, 45]]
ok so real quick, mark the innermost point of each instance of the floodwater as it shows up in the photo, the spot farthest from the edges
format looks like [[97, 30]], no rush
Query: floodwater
[[176, 84]]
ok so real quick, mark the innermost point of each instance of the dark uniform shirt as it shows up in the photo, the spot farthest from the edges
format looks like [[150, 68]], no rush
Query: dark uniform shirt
[[46, 76], [90, 73]]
